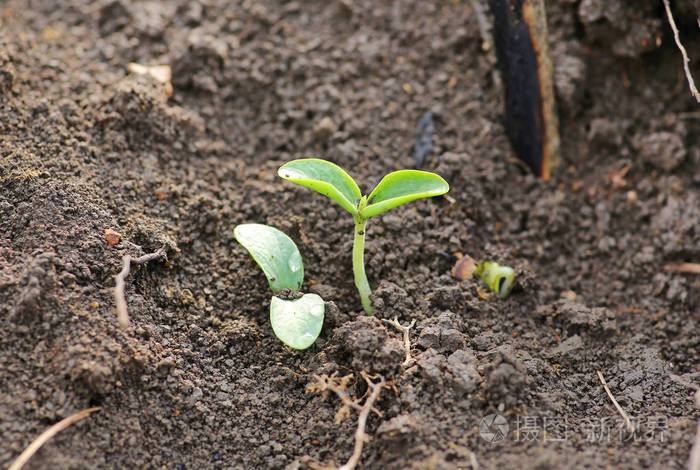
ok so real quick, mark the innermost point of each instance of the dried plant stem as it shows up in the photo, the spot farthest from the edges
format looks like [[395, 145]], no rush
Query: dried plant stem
[[622, 412], [406, 336], [686, 67], [360, 436], [694, 459], [47, 435], [473, 461], [119, 296], [692, 268], [339, 385]]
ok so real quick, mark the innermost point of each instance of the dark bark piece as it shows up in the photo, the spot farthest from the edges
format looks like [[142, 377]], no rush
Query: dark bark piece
[[520, 36]]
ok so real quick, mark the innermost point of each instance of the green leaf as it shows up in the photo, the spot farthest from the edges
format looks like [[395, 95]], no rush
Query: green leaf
[[325, 177], [401, 187], [297, 323], [275, 253]]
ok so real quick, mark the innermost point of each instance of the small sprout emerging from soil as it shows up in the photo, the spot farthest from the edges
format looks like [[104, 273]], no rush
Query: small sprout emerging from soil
[[296, 318], [393, 190], [499, 279]]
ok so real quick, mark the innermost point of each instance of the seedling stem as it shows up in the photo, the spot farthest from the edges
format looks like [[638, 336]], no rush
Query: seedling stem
[[358, 262]]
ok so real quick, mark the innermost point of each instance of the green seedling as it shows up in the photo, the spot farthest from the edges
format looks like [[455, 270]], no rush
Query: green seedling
[[296, 322], [499, 279], [393, 190]]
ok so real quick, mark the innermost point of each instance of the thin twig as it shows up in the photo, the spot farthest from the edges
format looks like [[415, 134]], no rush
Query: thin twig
[[680, 380], [622, 412], [484, 26], [689, 115], [360, 436], [47, 435], [472, 460], [686, 67], [692, 268], [119, 296], [406, 336], [694, 459]]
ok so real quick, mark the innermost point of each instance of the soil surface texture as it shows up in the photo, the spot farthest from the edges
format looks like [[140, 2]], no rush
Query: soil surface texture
[[98, 162]]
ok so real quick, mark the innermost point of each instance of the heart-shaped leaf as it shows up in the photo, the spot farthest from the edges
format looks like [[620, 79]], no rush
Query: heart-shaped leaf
[[275, 253], [401, 187], [325, 177], [297, 323]]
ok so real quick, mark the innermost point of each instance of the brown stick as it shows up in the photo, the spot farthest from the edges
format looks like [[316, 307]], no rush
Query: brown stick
[[693, 268], [686, 67], [360, 436], [45, 436], [694, 459], [406, 339], [119, 296], [622, 412]]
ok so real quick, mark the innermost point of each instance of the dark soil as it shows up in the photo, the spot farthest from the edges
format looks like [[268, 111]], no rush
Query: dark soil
[[199, 380]]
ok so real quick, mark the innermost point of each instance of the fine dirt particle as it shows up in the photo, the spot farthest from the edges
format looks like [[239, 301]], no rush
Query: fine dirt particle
[[398, 434], [7, 73], [462, 366], [577, 318], [663, 150], [443, 335], [507, 377], [365, 344]]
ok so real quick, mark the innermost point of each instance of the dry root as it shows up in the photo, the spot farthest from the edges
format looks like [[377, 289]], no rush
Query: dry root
[[339, 385], [686, 67], [406, 336], [119, 296]]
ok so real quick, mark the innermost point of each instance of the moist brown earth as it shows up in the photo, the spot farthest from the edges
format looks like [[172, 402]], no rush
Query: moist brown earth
[[199, 380]]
